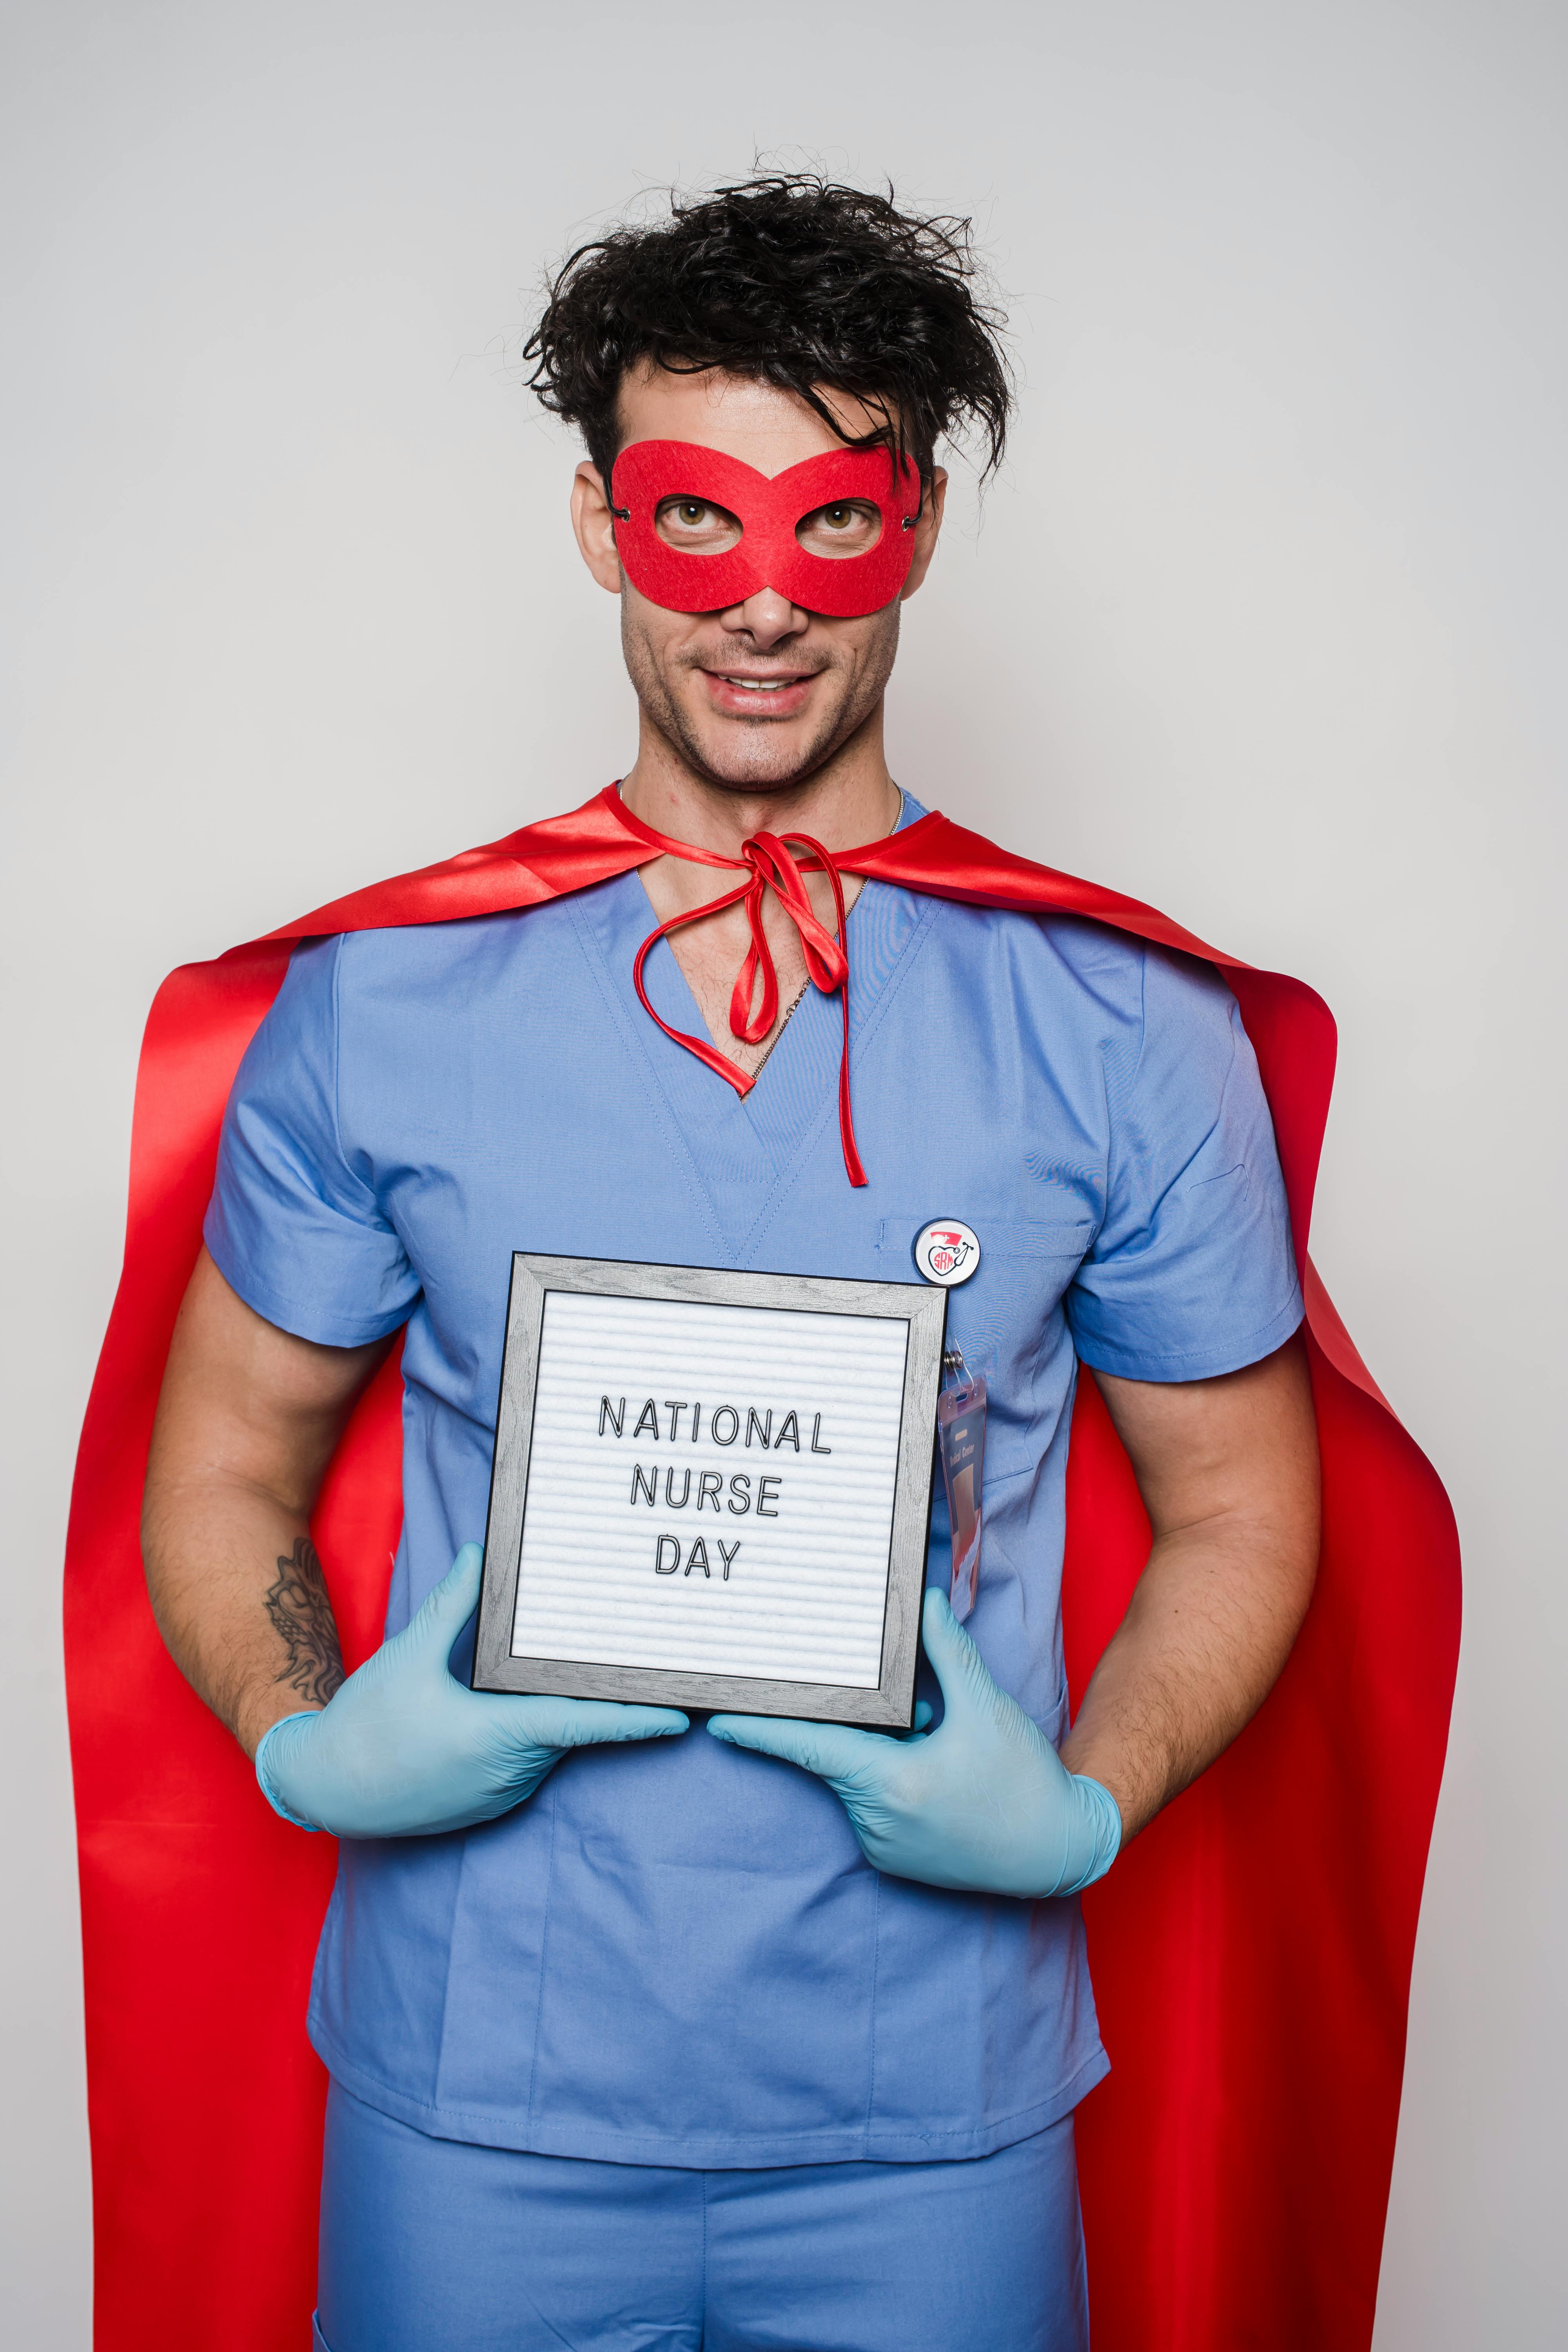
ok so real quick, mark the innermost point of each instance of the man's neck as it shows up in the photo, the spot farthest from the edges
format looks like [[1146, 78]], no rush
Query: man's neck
[[849, 800]]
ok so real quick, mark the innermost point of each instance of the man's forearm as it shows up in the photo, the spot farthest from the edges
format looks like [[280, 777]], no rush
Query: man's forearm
[[1228, 1468], [1204, 1637], [246, 1423], [240, 1599]]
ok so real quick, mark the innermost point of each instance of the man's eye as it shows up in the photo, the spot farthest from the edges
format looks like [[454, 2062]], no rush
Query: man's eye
[[697, 525], [847, 527]]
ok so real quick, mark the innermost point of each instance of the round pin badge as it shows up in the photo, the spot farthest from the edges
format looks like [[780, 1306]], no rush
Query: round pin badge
[[946, 1252]]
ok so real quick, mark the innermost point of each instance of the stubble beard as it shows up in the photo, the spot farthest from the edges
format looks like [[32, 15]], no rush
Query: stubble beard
[[761, 754]]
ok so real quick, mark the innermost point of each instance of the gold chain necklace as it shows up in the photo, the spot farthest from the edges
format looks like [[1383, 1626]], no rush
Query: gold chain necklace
[[784, 1025]]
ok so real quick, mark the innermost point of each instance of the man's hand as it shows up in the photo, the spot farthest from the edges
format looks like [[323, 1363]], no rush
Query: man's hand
[[982, 1802], [403, 1750], [1228, 1468]]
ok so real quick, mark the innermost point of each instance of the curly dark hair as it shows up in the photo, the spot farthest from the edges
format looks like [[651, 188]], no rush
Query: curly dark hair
[[795, 280]]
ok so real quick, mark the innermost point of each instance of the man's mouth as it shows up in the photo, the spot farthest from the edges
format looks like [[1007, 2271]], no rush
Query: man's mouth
[[781, 694]]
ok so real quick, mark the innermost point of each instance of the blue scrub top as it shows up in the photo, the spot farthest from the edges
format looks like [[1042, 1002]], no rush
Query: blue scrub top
[[675, 1954]]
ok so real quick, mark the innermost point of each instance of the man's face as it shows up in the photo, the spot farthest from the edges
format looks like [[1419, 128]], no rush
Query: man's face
[[760, 694]]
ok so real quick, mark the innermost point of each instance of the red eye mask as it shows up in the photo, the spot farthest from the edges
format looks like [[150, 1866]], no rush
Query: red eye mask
[[767, 554]]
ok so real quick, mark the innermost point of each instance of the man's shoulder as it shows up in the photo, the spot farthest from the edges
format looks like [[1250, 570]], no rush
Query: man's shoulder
[[425, 949], [1073, 949], [390, 980], [1088, 970]]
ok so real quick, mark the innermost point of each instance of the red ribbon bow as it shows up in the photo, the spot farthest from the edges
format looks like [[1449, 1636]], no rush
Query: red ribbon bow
[[768, 864]]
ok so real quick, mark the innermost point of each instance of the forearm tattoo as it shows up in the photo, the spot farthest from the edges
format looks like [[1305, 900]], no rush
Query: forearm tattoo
[[301, 1615]]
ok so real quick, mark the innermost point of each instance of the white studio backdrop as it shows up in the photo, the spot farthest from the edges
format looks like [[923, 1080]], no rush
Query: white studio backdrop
[[1260, 624]]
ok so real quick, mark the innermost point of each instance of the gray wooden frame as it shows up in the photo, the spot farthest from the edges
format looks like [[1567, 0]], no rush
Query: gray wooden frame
[[889, 1707]]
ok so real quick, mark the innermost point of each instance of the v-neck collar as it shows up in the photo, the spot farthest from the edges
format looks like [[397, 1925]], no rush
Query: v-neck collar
[[742, 1151]]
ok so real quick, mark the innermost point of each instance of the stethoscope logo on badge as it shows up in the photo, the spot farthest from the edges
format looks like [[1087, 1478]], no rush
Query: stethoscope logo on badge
[[947, 1252]]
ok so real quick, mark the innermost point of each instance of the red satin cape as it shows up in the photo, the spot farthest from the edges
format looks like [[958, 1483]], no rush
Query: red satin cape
[[1251, 1952]]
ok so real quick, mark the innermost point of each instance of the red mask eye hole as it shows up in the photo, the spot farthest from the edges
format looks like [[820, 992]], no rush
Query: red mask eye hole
[[845, 527], [696, 526]]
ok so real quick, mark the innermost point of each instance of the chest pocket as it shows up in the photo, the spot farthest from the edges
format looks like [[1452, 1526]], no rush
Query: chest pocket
[[1008, 1320], [1029, 1245]]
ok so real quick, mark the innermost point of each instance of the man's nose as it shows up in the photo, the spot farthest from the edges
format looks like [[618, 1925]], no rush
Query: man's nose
[[766, 618]]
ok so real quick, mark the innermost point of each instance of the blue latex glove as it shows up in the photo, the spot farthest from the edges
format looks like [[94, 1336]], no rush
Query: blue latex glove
[[403, 1750], [982, 1802]]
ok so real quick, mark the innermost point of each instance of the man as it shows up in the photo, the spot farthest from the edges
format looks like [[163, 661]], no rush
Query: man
[[643, 2033]]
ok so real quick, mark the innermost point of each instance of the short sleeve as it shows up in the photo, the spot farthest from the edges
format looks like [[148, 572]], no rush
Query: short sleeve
[[1192, 1273], [292, 1226]]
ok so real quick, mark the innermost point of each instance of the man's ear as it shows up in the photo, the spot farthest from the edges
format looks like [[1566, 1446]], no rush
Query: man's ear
[[926, 530], [596, 528]]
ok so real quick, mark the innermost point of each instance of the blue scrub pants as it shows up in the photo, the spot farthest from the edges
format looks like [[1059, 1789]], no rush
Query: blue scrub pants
[[433, 2245]]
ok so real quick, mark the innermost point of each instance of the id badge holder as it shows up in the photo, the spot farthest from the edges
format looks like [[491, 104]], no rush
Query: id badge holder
[[960, 1439]]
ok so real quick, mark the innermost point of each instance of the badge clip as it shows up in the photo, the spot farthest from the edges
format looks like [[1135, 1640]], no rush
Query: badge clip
[[960, 1436]]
